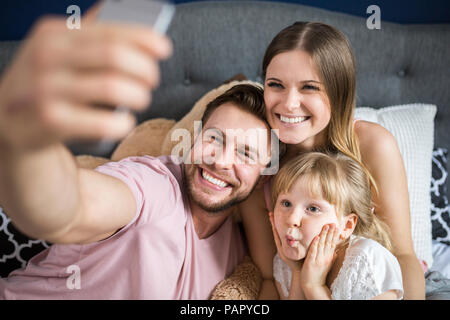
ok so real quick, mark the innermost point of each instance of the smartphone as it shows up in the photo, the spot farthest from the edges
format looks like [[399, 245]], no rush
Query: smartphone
[[153, 13]]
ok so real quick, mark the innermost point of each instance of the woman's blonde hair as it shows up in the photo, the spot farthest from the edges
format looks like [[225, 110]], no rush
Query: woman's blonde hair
[[333, 58], [341, 181]]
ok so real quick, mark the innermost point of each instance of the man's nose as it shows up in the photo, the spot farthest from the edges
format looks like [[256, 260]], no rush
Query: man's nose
[[224, 158]]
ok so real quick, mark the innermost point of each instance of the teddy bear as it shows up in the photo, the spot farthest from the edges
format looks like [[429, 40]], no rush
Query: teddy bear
[[245, 281]]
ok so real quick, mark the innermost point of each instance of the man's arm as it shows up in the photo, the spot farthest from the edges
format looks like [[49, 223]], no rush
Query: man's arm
[[48, 96], [48, 197]]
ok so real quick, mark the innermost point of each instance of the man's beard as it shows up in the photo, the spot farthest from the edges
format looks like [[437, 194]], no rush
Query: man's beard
[[225, 204]]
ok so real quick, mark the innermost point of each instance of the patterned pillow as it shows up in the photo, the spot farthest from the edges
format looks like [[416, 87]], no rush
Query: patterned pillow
[[440, 208], [15, 248]]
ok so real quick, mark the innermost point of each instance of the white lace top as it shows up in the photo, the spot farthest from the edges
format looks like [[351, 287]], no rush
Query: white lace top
[[368, 270]]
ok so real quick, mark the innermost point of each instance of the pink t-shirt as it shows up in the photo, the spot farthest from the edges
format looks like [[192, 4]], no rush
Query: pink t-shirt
[[158, 255]]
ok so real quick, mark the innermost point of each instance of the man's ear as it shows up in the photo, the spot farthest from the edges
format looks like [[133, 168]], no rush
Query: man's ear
[[348, 224]]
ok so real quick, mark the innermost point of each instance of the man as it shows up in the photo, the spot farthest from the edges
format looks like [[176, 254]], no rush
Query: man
[[140, 228]]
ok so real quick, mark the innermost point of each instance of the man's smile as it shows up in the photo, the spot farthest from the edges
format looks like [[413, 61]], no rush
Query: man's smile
[[212, 181]]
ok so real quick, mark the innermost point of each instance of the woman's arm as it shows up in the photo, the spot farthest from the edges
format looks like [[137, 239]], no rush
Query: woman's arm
[[381, 155], [258, 231]]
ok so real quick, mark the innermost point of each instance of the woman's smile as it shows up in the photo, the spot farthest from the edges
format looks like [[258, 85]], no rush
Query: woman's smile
[[291, 120]]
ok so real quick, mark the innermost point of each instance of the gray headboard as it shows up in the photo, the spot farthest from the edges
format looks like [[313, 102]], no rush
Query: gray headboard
[[215, 40]]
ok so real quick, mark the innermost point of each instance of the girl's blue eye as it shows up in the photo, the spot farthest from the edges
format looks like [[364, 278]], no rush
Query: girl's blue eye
[[285, 203], [313, 209]]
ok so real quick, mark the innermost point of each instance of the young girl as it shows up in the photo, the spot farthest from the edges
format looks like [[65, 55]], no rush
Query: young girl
[[330, 245], [310, 95]]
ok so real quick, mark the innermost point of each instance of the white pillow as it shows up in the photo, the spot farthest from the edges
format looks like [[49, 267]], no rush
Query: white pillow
[[412, 125]]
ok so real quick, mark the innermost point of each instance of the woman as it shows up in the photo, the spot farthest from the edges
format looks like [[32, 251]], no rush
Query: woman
[[309, 90]]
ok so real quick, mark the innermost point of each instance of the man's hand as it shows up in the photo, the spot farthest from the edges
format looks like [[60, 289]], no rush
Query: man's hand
[[49, 92]]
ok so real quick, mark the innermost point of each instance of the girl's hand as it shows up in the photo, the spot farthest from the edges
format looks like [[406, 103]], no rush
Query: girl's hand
[[320, 258], [296, 266]]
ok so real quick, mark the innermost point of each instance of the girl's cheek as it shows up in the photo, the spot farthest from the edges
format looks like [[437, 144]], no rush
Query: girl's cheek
[[309, 239], [277, 221], [312, 230]]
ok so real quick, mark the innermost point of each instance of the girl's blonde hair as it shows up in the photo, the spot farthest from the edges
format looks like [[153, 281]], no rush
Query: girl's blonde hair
[[341, 181], [333, 58]]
